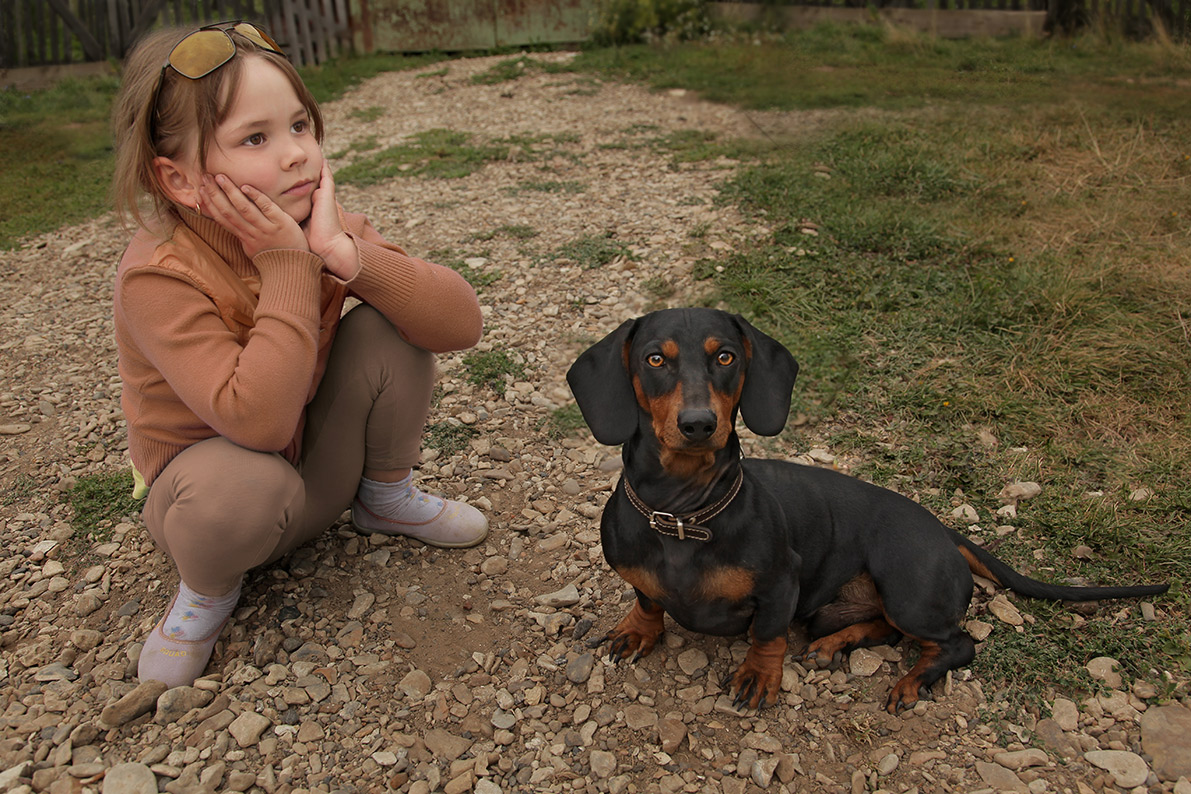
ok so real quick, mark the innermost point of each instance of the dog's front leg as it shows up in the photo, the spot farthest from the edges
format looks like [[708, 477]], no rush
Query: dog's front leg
[[637, 632], [758, 680]]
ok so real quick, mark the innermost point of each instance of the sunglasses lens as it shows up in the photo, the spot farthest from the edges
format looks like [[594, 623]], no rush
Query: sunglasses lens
[[201, 53], [257, 36]]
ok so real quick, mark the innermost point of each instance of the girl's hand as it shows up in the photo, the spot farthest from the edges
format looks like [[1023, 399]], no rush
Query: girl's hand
[[324, 234], [258, 223]]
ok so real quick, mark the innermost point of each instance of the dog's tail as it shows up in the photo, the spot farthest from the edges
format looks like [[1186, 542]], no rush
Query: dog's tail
[[985, 564]]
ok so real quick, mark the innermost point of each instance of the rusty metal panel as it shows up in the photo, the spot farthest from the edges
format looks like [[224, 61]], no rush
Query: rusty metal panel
[[521, 22], [455, 25]]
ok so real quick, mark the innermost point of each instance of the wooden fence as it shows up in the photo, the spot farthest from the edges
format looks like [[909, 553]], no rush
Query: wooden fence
[[45, 32]]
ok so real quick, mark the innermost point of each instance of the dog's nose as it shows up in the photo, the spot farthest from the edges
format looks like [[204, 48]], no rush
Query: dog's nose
[[697, 424]]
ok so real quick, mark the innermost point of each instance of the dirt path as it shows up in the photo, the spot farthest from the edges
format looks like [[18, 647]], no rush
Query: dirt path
[[364, 664]]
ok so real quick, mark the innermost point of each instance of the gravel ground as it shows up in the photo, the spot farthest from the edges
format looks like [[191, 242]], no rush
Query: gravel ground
[[371, 664]]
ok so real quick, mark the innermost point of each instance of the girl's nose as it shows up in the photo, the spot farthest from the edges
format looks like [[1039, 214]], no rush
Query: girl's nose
[[294, 155]]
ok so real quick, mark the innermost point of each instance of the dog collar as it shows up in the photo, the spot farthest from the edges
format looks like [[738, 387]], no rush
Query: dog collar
[[687, 525]]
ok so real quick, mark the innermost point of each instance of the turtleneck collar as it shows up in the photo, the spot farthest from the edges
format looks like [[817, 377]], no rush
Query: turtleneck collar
[[223, 243]]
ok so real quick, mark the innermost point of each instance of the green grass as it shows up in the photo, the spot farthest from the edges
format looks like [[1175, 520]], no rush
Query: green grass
[[563, 422], [570, 187], [488, 369], [434, 154], [591, 251], [99, 501], [457, 262], [449, 438]]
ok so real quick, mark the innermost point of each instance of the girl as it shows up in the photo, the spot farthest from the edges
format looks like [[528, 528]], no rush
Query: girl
[[254, 412]]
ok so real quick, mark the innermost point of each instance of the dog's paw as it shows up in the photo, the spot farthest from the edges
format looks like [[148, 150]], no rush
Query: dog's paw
[[754, 688], [906, 694]]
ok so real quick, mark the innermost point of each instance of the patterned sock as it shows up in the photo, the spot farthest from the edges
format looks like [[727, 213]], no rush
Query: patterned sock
[[177, 650], [399, 501]]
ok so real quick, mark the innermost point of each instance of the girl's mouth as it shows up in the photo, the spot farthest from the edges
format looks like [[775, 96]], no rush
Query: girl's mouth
[[301, 189]]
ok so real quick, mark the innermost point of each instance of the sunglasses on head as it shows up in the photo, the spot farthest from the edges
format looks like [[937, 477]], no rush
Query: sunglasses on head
[[205, 50]]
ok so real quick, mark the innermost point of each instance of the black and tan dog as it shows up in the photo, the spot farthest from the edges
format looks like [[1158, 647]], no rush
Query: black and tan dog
[[727, 545]]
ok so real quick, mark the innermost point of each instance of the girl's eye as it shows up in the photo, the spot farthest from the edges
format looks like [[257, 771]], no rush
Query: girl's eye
[[656, 360], [300, 126], [725, 358], [255, 139]]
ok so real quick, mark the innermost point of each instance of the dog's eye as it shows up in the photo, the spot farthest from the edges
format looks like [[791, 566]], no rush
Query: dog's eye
[[725, 358], [656, 360]]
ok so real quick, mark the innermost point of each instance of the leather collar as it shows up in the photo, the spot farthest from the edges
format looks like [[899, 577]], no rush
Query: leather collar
[[687, 525]]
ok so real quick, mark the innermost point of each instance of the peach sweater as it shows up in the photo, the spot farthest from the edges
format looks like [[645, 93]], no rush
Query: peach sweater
[[211, 343]]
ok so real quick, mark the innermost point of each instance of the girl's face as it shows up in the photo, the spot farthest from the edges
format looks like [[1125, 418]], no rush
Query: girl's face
[[267, 141]]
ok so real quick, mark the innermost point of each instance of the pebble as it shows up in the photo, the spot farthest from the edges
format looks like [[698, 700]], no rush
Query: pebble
[[416, 684], [1128, 769], [864, 662], [1015, 492], [1018, 760], [140, 700], [1166, 738], [566, 597], [1066, 714], [1104, 668], [603, 764], [640, 717], [1004, 611], [247, 728], [1000, 778]]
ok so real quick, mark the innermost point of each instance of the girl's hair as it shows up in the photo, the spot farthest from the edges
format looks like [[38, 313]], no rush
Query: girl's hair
[[181, 122]]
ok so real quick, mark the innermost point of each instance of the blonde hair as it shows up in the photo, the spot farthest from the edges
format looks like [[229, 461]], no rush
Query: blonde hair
[[144, 130]]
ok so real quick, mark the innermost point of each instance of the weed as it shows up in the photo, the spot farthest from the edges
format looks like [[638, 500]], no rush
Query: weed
[[506, 70], [515, 231], [547, 186], [592, 251], [563, 422], [368, 114], [434, 154], [477, 278], [22, 488], [100, 500], [448, 437], [490, 368]]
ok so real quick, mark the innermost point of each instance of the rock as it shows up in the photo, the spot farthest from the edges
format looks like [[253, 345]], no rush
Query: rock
[[445, 744], [139, 701], [1164, 737], [863, 662], [247, 728], [567, 596], [15, 429], [692, 661], [603, 764], [1104, 668], [639, 717], [129, 779], [1128, 769], [416, 684], [1004, 611], [579, 669], [177, 702], [887, 764], [486, 786], [763, 770], [1018, 760], [1065, 713], [671, 732], [966, 514], [979, 630], [1053, 736], [998, 777], [1014, 492]]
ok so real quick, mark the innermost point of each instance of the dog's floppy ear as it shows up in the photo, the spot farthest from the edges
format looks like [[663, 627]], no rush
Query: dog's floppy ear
[[601, 385], [765, 400]]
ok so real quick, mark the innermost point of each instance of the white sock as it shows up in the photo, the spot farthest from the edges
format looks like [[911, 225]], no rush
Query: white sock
[[399, 501], [194, 616]]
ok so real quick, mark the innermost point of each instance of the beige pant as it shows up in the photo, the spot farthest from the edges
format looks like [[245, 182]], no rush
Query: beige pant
[[219, 509]]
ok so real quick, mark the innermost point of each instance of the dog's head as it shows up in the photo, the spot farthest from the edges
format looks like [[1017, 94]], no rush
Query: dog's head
[[688, 371]]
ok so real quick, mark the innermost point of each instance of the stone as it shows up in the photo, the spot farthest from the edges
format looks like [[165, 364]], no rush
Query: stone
[[487, 786], [136, 702], [603, 764], [763, 771], [671, 732], [864, 663], [579, 669], [640, 717], [1128, 769], [247, 728], [1005, 611], [1018, 760], [130, 779], [998, 777], [416, 684], [1015, 492], [1164, 737], [887, 764], [1053, 736], [177, 702], [566, 597], [1065, 713], [692, 661], [1104, 668], [445, 744]]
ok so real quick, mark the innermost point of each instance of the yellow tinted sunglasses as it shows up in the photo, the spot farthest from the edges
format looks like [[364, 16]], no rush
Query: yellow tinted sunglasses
[[205, 50]]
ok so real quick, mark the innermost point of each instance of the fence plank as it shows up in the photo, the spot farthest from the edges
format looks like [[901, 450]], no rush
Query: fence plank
[[90, 45]]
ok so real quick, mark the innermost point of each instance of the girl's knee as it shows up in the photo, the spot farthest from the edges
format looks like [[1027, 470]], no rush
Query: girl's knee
[[251, 494]]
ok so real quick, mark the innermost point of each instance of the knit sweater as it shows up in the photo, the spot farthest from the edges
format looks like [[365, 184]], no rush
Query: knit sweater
[[214, 344]]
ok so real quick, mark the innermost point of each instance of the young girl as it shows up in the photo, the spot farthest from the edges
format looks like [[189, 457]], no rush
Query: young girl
[[255, 413]]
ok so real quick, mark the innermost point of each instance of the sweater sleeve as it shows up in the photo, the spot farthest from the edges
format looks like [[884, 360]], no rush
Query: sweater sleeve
[[431, 305], [253, 393]]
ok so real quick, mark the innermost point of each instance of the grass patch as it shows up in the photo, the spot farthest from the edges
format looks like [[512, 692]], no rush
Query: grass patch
[[514, 231], [591, 251], [474, 276], [511, 69], [99, 501], [563, 422], [449, 438], [569, 187], [490, 368], [434, 154], [368, 114]]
